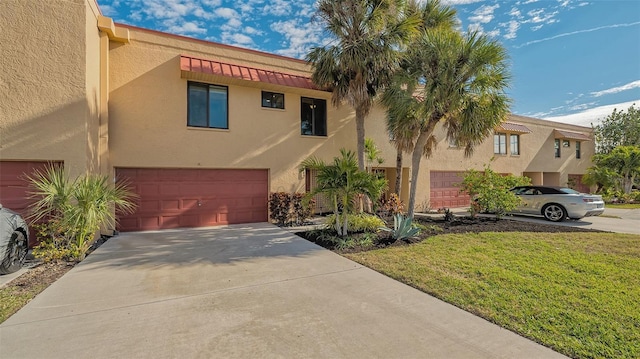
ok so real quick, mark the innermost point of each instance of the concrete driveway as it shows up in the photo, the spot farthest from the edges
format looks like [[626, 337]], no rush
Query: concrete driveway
[[613, 220], [243, 291]]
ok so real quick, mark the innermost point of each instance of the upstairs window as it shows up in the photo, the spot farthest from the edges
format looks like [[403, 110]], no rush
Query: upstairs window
[[556, 144], [566, 143], [514, 141], [207, 105], [578, 154], [500, 143], [313, 117], [272, 100]]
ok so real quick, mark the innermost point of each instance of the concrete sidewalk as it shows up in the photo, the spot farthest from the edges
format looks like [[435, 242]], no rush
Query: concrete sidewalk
[[243, 291]]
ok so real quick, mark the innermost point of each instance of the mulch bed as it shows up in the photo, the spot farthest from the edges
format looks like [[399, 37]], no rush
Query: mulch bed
[[458, 225]]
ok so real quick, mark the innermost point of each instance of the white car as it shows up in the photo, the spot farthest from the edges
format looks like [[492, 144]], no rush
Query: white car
[[557, 203]]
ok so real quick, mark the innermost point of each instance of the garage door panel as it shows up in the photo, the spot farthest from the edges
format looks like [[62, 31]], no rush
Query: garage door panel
[[196, 197], [444, 191]]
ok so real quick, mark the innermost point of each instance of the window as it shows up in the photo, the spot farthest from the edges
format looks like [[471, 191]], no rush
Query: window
[[272, 99], [578, 149], [515, 144], [566, 143], [207, 106], [557, 147], [500, 143], [313, 117]]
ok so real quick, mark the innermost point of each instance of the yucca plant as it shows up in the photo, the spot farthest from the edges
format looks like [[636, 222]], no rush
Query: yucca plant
[[80, 207], [403, 228]]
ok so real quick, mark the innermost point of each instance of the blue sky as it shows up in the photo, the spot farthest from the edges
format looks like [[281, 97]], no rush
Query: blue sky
[[571, 60]]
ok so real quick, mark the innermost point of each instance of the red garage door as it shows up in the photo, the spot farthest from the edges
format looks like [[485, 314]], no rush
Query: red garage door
[[14, 188], [444, 191], [172, 198]]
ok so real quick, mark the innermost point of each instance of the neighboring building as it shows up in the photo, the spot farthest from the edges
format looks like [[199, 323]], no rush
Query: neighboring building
[[205, 131]]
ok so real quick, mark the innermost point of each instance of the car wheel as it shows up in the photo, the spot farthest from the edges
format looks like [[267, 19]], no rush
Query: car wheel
[[554, 212], [15, 253]]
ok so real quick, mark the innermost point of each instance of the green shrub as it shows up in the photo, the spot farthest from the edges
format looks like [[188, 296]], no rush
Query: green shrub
[[287, 209], [279, 207], [76, 209], [490, 191], [392, 206], [403, 228], [361, 222]]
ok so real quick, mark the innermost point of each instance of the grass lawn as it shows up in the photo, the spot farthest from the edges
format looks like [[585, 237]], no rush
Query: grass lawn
[[12, 299], [622, 205], [577, 293]]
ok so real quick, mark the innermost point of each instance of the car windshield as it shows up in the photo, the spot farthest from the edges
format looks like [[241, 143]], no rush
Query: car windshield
[[569, 191]]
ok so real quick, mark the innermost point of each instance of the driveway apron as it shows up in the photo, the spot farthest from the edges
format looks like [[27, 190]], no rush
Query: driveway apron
[[242, 291]]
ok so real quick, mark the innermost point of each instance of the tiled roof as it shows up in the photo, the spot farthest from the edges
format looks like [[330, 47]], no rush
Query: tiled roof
[[571, 135], [245, 73], [514, 127]]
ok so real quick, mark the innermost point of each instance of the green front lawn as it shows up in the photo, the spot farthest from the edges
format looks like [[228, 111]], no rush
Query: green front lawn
[[577, 293]]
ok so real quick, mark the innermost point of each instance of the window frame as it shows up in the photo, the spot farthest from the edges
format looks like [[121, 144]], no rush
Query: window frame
[[208, 86], [313, 109], [557, 151], [517, 143], [498, 136], [578, 150], [271, 100]]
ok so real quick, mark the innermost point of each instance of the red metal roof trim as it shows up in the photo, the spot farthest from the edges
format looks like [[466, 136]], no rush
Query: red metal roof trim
[[246, 73], [514, 127], [571, 135]]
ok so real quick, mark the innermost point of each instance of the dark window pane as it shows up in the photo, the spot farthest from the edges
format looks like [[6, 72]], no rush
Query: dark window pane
[[272, 99], [306, 116], [197, 103], [218, 107], [320, 118]]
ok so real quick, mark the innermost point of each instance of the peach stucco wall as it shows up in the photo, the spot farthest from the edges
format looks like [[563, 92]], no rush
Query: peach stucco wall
[[148, 114], [48, 82]]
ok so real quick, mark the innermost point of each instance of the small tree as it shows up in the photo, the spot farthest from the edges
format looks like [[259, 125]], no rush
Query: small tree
[[618, 129], [78, 208], [489, 191], [622, 163], [342, 183]]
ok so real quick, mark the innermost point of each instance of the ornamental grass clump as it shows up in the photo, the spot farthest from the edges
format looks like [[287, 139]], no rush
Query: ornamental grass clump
[[74, 210]]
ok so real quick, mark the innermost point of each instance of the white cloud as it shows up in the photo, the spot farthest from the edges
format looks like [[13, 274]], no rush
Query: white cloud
[[629, 86], [512, 29], [226, 13], [459, 2], [253, 31], [541, 16], [564, 3], [237, 39], [300, 36], [108, 10], [187, 28], [575, 33], [593, 115], [493, 33], [536, 28], [483, 14], [515, 12], [278, 8]]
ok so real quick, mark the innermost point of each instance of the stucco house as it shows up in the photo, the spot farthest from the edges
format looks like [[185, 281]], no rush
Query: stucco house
[[205, 131]]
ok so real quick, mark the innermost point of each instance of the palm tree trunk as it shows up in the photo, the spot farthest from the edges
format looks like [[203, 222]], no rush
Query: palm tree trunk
[[360, 137], [398, 185], [415, 169]]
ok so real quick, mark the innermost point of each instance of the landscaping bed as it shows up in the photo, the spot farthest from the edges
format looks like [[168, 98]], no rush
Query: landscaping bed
[[432, 226]]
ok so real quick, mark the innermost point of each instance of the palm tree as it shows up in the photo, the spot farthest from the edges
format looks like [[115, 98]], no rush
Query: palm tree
[[80, 207], [454, 79], [341, 183], [367, 38], [403, 131]]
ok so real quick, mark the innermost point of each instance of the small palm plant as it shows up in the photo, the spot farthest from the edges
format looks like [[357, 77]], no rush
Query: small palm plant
[[79, 207], [403, 228], [342, 183]]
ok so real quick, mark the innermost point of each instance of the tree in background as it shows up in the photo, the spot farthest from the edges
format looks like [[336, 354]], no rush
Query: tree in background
[[618, 129], [367, 37], [623, 163]]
